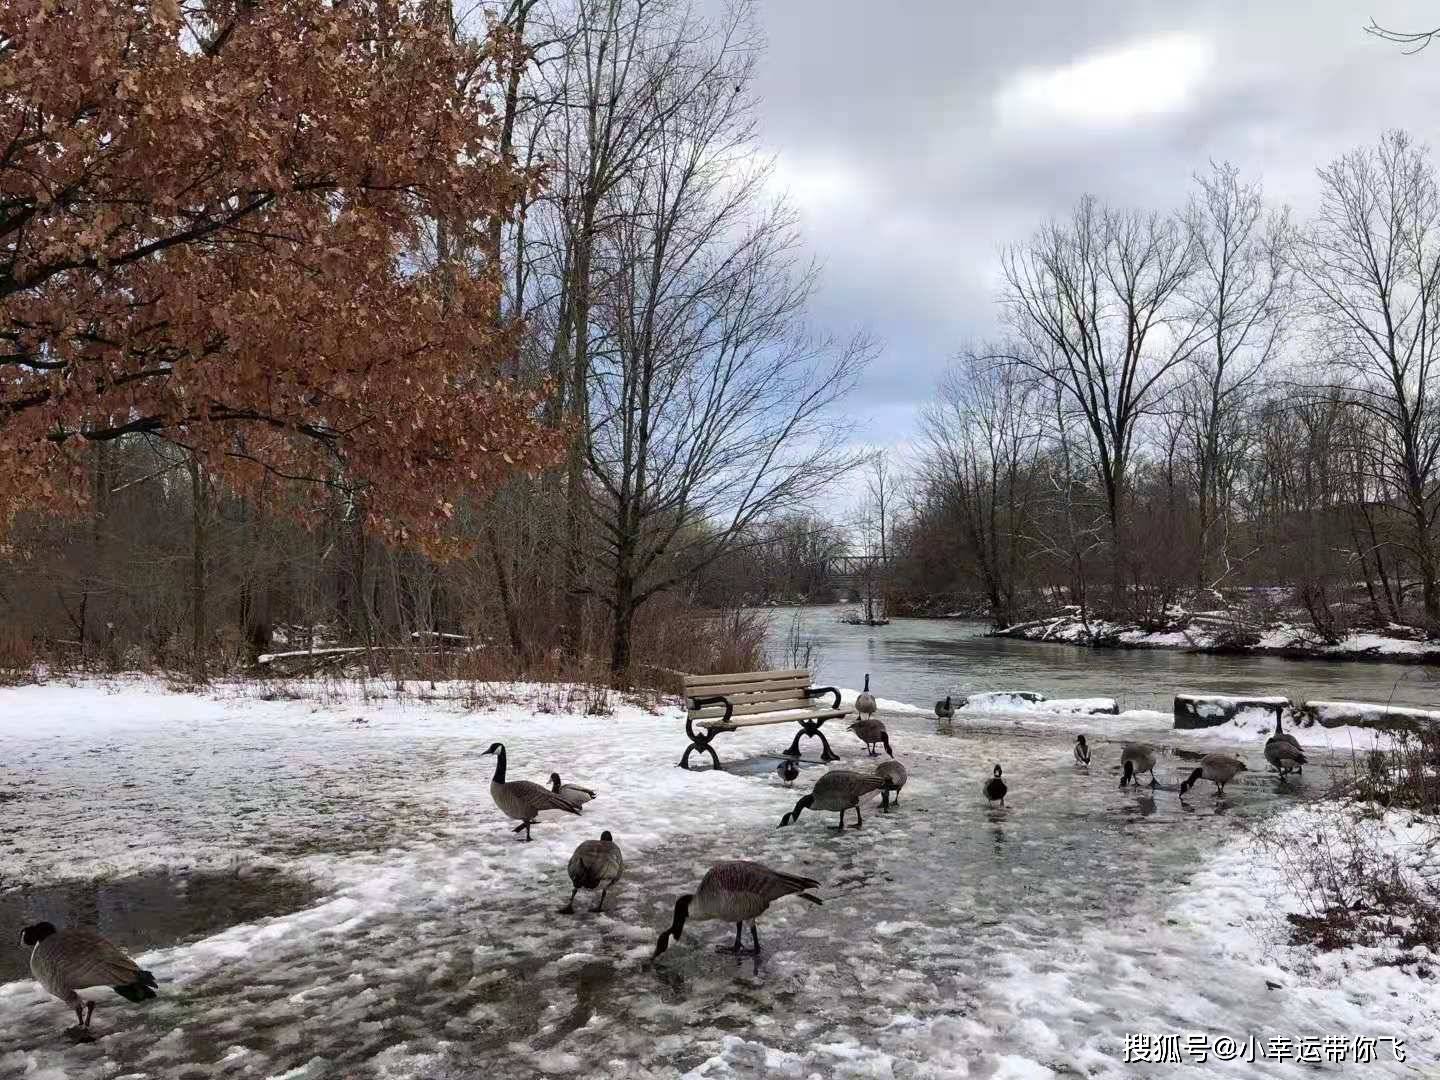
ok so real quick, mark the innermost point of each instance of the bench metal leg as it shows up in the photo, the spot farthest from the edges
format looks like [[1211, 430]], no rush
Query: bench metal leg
[[700, 740], [812, 727], [699, 745]]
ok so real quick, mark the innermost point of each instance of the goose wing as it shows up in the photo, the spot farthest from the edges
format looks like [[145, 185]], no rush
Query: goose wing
[[750, 883], [848, 784], [537, 797], [893, 773], [76, 959], [1283, 750], [594, 862]]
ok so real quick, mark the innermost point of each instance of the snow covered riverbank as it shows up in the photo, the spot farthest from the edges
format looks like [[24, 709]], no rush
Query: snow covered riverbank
[[955, 940], [1211, 635]]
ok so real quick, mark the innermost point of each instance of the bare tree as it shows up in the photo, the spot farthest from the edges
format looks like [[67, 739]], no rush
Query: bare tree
[[1098, 303], [1414, 41], [1371, 265], [1241, 290], [982, 443], [709, 400]]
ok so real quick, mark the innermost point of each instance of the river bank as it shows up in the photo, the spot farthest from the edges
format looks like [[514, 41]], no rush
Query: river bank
[[1216, 636]]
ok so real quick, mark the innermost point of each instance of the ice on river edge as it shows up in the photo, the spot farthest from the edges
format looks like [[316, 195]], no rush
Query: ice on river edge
[[400, 966]]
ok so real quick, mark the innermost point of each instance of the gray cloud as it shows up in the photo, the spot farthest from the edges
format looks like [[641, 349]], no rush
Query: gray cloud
[[910, 179]]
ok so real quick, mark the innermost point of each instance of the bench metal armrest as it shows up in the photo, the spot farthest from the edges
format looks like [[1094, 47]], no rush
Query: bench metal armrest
[[701, 702], [816, 691]]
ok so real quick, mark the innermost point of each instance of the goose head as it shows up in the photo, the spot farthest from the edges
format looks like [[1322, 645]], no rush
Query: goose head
[[804, 803], [495, 748], [1189, 782], [676, 927], [1128, 774], [885, 742], [554, 781], [606, 838], [33, 935], [997, 772]]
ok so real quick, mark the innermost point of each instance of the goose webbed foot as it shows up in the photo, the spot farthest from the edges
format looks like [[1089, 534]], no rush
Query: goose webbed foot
[[79, 1034], [569, 908]]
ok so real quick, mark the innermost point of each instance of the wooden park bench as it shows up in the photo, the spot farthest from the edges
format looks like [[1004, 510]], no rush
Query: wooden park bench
[[718, 703]]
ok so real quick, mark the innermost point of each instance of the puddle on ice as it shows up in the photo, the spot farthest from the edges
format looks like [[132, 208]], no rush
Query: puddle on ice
[[151, 910], [766, 764]]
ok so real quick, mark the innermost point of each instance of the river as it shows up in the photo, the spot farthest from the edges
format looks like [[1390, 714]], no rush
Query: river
[[919, 661]]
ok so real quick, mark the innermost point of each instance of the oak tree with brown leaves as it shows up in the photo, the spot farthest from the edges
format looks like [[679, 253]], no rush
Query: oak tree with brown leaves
[[212, 223]]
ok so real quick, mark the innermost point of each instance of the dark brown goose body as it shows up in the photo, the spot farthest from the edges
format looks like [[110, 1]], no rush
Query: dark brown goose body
[[596, 864], [66, 961], [522, 800], [739, 892], [837, 791]]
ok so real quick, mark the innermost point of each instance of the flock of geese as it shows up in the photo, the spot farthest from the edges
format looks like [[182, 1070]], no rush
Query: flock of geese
[[65, 961]]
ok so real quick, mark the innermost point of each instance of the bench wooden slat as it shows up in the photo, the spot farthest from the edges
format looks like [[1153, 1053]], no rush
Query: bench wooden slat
[[774, 718], [695, 682], [789, 693], [793, 686], [754, 709]]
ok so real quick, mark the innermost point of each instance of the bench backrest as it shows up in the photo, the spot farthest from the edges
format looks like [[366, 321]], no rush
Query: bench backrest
[[750, 692]]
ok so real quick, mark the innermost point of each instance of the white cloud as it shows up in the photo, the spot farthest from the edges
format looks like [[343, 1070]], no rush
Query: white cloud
[[1153, 76]]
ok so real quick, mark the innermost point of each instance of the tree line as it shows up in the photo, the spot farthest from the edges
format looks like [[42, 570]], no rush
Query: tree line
[[1212, 405]]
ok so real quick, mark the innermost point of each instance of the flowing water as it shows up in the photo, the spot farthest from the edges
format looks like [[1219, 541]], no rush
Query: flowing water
[[919, 661]]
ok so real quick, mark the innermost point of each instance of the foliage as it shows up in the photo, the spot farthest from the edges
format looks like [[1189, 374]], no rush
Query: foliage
[[213, 219]]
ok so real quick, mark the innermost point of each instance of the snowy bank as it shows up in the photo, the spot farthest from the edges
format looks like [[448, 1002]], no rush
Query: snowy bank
[[1334, 714], [1206, 632], [1032, 701], [1211, 710]]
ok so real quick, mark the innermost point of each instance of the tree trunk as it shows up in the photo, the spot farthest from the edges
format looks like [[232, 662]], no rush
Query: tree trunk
[[620, 640], [502, 584], [200, 513], [573, 629]]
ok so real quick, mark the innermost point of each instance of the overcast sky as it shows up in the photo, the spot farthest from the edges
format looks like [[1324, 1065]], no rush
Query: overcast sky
[[917, 137]]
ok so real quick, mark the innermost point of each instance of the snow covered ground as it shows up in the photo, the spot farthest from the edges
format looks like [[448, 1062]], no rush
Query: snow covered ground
[[955, 940]]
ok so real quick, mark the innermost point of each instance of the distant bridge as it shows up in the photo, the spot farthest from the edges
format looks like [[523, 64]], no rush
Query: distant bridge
[[851, 572]]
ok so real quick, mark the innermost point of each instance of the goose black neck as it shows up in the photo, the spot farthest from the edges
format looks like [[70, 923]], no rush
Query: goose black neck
[[500, 765], [867, 684], [1196, 775]]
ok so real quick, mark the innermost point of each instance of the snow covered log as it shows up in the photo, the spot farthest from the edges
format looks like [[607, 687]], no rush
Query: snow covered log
[[1332, 714], [1030, 701], [1000, 699], [1212, 710]]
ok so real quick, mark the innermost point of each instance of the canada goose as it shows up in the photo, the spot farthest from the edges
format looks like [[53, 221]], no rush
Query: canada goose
[[64, 961], [865, 701], [1082, 751], [995, 788], [1137, 758], [895, 776], [596, 864], [835, 792], [1282, 735], [1219, 769], [522, 800], [737, 892], [871, 732], [788, 771], [944, 709], [574, 794], [1284, 755]]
